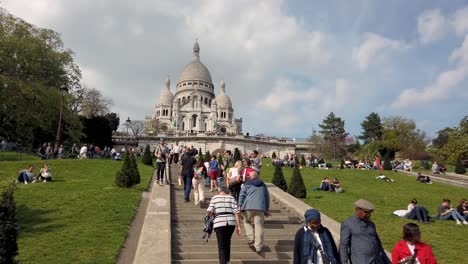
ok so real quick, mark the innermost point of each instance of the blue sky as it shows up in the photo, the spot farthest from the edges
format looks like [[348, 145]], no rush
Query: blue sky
[[286, 64]]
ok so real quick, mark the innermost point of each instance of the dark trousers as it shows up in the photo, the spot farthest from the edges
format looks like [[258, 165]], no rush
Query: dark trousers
[[22, 177], [187, 185], [176, 158], [160, 166], [223, 235], [418, 213]]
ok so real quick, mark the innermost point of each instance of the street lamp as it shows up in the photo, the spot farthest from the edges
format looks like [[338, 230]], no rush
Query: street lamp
[[58, 137]]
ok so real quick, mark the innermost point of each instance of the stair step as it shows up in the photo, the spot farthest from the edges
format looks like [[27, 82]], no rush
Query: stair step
[[272, 242], [234, 255], [234, 248], [245, 261]]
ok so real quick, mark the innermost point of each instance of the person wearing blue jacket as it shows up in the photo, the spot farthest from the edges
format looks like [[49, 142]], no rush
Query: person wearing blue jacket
[[254, 203], [314, 243]]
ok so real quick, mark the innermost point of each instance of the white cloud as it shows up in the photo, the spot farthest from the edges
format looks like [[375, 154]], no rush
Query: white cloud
[[444, 84], [432, 25], [373, 50], [460, 21]]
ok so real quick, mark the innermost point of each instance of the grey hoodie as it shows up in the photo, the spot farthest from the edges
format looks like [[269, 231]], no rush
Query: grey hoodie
[[254, 195]]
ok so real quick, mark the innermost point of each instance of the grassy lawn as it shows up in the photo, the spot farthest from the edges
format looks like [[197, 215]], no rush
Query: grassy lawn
[[16, 156], [445, 237], [80, 217]]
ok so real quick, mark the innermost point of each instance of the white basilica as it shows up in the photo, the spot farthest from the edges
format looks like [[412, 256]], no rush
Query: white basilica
[[194, 107]]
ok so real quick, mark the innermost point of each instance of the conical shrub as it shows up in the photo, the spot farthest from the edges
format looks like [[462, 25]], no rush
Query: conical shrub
[[147, 157], [237, 155], [8, 231], [207, 156], [278, 179], [297, 187], [136, 178], [342, 164], [459, 168], [303, 161], [124, 177], [273, 156]]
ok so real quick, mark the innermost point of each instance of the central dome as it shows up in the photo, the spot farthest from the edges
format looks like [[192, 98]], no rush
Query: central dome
[[195, 70]]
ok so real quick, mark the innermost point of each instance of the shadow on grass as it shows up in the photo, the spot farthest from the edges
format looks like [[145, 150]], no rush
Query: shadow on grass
[[33, 221]]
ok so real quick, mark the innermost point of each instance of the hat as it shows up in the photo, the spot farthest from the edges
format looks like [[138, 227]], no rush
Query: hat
[[312, 214], [161, 139], [364, 204]]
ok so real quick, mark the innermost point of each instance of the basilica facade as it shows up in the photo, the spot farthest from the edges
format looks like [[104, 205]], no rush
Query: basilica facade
[[194, 107]]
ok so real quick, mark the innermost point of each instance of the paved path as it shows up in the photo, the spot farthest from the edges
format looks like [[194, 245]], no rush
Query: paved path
[[449, 178], [187, 227]]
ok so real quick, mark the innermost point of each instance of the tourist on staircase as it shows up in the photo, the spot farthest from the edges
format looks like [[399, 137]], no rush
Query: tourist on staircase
[[314, 243], [225, 210], [186, 173], [161, 153], [214, 170], [254, 202], [199, 174]]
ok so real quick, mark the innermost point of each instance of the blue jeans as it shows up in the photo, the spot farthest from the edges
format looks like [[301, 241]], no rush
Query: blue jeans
[[23, 177], [187, 185], [418, 213], [453, 214]]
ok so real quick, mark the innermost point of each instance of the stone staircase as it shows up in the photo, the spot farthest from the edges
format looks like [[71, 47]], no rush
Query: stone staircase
[[187, 232]]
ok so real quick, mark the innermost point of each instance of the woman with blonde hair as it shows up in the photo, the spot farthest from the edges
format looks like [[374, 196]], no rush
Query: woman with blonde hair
[[233, 181]]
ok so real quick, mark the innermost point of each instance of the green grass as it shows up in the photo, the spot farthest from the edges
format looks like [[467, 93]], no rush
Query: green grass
[[80, 217], [445, 237], [16, 156]]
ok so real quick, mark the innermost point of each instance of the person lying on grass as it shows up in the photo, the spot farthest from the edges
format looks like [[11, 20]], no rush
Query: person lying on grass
[[384, 178], [424, 179], [414, 212]]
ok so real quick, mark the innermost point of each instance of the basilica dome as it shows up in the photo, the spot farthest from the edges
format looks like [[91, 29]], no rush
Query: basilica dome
[[222, 99], [195, 70], [166, 97]]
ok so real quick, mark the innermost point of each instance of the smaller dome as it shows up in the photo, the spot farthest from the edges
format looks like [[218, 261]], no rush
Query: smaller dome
[[222, 99], [166, 97]]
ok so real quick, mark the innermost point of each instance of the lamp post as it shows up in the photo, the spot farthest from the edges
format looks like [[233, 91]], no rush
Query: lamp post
[[58, 137], [127, 123]]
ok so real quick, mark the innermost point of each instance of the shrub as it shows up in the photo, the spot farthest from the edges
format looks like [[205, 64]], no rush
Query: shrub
[[278, 179], [296, 162], [273, 156], [459, 168], [124, 177], [303, 161], [147, 157], [297, 187], [387, 165], [200, 153], [342, 164], [426, 164], [8, 231], [237, 155], [136, 178], [207, 156]]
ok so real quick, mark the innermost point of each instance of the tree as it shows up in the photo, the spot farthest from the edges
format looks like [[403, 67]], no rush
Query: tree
[[459, 168], [114, 121], [147, 156], [278, 179], [97, 130], [136, 178], [442, 137], [94, 103], [387, 165], [273, 156], [207, 156], [124, 178], [372, 128], [136, 127], [401, 134], [8, 232], [297, 187], [237, 155], [455, 147], [334, 134], [33, 67]]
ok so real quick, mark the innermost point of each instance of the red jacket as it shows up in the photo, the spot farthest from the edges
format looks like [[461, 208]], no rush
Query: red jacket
[[424, 255]]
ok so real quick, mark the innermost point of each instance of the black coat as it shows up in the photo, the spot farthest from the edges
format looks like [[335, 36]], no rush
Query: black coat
[[328, 246]]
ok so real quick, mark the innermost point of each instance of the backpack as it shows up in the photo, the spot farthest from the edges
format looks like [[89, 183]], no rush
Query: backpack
[[208, 228]]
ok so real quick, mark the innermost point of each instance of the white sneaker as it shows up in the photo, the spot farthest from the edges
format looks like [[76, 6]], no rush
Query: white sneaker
[[465, 222], [25, 182], [34, 181], [458, 222]]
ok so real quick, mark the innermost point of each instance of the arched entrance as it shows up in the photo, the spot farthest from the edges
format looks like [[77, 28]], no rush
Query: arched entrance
[[194, 121]]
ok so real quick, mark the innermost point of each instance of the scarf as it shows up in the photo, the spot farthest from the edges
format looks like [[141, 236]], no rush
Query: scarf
[[310, 247]]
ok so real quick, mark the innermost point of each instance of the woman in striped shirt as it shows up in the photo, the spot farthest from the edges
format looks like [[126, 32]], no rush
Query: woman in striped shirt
[[227, 218]]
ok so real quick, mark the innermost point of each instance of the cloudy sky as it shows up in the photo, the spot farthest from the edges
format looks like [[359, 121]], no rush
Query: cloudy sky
[[286, 64]]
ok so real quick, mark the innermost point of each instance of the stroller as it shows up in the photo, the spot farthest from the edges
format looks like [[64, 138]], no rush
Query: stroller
[[208, 228]]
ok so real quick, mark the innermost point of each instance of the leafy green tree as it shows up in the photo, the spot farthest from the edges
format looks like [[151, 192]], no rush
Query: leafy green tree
[[442, 137], [8, 232], [97, 130], [207, 156], [124, 177], [273, 156], [237, 155], [455, 147], [278, 179], [459, 168], [297, 187], [147, 157], [136, 178], [33, 67], [372, 128], [401, 134], [334, 134]]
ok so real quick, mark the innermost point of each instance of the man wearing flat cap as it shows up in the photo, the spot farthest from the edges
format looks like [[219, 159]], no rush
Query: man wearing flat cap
[[314, 243], [359, 241]]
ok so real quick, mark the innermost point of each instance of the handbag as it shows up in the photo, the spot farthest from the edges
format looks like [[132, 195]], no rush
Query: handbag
[[409, 260], [325, 260]]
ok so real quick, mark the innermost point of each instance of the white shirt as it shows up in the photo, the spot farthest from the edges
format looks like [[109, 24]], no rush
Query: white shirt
[[411, 249], [176, 149], [83, 149], [317, 238]]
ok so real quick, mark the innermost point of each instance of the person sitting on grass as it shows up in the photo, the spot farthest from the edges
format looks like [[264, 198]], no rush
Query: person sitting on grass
[[326, 186], [435, 168], [25, 176], [446, 212], [336, 185], [45, 174], [423, 179], [384, 178], [462, 208], [414, 212]]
